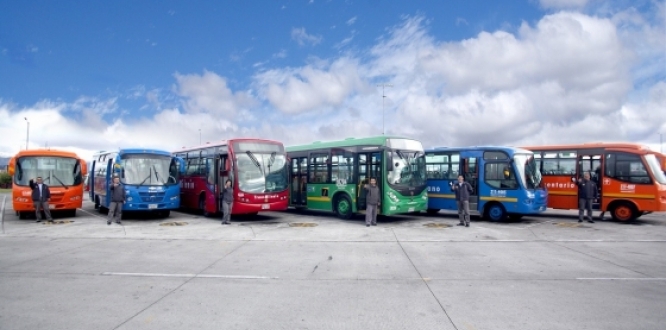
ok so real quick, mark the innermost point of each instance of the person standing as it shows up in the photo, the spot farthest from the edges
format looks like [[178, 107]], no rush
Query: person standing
[[41, 196], [117, 201], [372, 202], [227, 201], [587, 193], [463, 190]]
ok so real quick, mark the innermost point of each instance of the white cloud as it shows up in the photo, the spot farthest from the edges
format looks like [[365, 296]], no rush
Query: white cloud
[[301, 37], [351, 21], [563, 4], [209, 93], [281, 54], [310, 87]]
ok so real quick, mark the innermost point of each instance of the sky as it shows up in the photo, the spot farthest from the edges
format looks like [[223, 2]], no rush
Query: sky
[[100, 75]]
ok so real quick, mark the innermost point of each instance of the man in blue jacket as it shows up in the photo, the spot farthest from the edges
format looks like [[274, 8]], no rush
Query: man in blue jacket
[[41, 196], [117, 201], [462, 190]]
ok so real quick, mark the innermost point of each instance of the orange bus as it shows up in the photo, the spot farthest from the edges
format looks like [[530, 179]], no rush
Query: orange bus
[[629, 176], [62, 171]]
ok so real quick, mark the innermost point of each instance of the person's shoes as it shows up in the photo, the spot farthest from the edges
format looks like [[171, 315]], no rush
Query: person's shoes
[[590, 221], [367, 225], [38, 220], [579, 220], [49, 221], [118, 222], [108, 223], [467, 225], [461, 224], [374, 224]]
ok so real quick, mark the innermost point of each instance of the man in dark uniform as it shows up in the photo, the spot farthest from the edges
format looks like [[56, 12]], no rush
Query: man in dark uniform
[[587, 193], [462, 190], [41, 196]]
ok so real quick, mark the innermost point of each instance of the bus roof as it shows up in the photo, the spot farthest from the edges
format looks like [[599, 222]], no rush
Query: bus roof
[[513, 150], [46, 153], [223, 143], [593, 145], [134, 151], [348, 142]]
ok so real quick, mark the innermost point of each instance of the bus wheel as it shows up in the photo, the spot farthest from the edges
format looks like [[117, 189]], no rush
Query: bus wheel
[[624, 212], [343, 207], [495, 212], [432, 211]]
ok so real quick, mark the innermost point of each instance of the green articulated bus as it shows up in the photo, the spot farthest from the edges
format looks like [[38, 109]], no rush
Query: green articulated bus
[[329, 176]]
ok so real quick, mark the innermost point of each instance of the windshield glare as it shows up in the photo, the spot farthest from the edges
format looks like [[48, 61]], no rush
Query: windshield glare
[[409, 168], [655, 168], [55, 171], [527, 170], [261, 172], [148, 170]]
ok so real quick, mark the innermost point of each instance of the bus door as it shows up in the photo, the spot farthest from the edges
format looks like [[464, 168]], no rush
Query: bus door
[[471, 172], [299, 181], [369, 166], [592, 161]]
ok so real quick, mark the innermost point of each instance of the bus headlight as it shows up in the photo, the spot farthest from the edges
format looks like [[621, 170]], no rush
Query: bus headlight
[[21, 199], [129, 199], [174, 198], [393, 197], [424, 197]]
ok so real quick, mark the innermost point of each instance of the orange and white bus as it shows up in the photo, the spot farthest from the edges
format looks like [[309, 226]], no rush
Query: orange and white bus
[[629, 176], [62, 171]]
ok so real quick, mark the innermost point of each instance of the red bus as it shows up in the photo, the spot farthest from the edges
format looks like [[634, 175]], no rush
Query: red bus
[[62, 171], [257, 168], [630, 178]]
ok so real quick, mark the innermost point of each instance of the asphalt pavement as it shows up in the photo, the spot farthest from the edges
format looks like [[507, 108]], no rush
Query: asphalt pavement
[[310, 270]]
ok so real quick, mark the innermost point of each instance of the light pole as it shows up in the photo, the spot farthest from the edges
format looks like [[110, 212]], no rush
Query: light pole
[[27, 136], [383, 97]]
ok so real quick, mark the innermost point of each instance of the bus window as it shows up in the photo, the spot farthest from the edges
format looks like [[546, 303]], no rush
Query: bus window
[[500, 176], [626, 167], [319, 168], [342, 167]]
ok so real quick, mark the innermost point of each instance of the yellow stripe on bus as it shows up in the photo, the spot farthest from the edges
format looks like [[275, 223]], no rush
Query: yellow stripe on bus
[[630, 196], [441, 195], [499, 199], [319, 199], [562, 193]]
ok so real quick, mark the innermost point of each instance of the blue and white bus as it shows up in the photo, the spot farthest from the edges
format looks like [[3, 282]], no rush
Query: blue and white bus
[[506, 181], [150, 178]]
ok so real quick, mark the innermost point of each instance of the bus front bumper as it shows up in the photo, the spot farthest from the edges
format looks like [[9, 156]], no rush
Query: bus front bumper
[[405, 207], [245, 208], [29, 206]]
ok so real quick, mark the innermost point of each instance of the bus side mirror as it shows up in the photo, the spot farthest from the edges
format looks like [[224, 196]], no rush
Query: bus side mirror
[[11, 166], [181, 165], [84, 167]]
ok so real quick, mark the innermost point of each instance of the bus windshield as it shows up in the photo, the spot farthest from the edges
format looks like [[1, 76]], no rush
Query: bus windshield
[[55, 171], [261, 172], [655, 168], [528, 171], [409, 168], [148, 170]]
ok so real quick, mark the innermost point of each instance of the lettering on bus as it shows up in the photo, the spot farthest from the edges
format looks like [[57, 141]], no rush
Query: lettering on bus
[[627, 188], [560, 185], [497, 193], [433, 189]]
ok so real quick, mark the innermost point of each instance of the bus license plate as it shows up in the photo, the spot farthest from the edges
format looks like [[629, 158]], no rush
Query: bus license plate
[[152, 206], [52, 206], [265, 206], [411, 209]]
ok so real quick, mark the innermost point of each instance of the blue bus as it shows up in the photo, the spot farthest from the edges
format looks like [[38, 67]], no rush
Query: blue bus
[[150, 177], [506, 181]]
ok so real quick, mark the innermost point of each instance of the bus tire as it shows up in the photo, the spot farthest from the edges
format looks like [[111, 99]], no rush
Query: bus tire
[[432, 211], [495, 212], [624, 211], [343, 207]]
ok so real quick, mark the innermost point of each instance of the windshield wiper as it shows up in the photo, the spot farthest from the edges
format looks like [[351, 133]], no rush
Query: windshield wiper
[[150, 174], [157, 176], [257, 164], [53, 175]]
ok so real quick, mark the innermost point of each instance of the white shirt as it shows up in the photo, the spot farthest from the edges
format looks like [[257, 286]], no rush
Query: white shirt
[[40, 189]]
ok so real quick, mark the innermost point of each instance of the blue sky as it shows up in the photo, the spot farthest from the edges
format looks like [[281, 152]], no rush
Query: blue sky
[[93, 75]]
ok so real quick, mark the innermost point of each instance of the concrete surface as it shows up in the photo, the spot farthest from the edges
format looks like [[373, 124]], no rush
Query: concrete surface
[[410, 272]]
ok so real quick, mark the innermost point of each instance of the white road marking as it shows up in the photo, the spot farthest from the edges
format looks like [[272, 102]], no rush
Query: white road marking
[[244, 277], [622, 278]]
